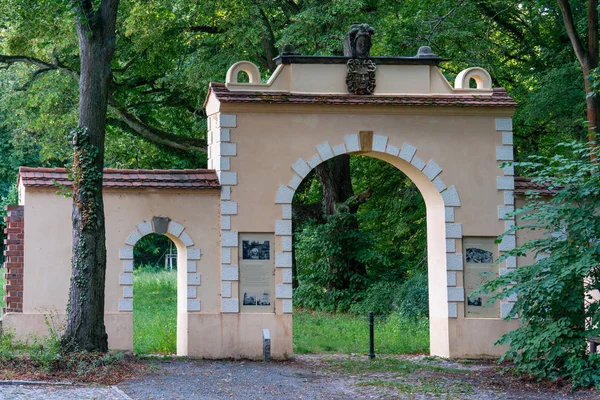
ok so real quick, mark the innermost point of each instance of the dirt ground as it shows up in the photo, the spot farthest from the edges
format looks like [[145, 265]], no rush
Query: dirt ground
[[309, 377]]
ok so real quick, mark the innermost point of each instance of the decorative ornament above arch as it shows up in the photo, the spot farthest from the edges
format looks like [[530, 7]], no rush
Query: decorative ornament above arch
[[480, 75], [243, 66]]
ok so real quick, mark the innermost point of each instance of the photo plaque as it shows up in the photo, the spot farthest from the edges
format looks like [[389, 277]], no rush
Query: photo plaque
[[479, 254], [257, 270]]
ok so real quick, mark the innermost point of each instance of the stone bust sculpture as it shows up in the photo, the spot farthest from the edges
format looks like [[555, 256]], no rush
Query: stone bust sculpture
[[360, 78]]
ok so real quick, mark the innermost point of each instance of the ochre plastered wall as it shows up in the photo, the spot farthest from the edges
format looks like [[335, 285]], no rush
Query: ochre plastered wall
[[48, 252]]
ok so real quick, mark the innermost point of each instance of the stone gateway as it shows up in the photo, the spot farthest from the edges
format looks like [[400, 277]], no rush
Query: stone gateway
[[232, 223]]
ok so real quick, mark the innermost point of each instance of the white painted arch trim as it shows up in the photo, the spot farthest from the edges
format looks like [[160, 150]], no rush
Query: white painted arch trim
[[381, 144], [176, 230]]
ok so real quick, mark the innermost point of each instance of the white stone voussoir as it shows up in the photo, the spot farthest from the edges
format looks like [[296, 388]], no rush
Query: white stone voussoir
[[352, 143], [128, 292], [325, 151], [175, 228], [192, 292], [186, 239], [508, 243], [407, 152], [509, 198], [418, 163], [379, 143], [314, 161], [393, 150], [507, 138], [450, 197], [301, 167], [285, 195], [439, 184], [145, 227], [133, 238], [295, 182], [432, 170], [339, 149]]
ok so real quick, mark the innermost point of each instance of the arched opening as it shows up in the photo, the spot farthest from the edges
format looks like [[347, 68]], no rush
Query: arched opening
[[368, 252], [187, 277], [242, 77], [155, 300]]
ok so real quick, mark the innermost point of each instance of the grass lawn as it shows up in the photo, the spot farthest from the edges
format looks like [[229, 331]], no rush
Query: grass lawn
[[155, 312], [155, 324], [343, 333]]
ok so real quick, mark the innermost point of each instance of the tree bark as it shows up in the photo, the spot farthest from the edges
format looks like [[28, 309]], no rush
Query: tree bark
[[588, 59], [96, 33]]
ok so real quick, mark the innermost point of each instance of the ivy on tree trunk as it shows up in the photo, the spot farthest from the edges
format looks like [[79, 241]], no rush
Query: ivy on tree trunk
[[96, 33]]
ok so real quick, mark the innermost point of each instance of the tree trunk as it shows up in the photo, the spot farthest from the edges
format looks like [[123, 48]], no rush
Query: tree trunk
[[85, 325]]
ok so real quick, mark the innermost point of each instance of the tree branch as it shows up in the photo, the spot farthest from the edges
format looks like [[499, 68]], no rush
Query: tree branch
[[155, 135], [567, 14], [205, 29]]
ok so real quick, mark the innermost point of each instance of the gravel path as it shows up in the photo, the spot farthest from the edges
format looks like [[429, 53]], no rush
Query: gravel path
[[307, 377], [208, 380], [60, 392]]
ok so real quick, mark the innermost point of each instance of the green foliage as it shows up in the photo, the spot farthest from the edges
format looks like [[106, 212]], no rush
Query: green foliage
[[155, 312], [150, 251], [326, 253], [316, 332], [555, 320]]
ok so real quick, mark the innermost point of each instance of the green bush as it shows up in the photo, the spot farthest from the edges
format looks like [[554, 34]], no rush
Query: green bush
[[554, 304]]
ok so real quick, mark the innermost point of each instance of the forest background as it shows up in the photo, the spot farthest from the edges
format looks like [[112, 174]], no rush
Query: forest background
[[167, 52]]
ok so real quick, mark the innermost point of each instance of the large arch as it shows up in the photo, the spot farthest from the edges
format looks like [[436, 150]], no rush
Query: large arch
[[441, 200], [188, 279]]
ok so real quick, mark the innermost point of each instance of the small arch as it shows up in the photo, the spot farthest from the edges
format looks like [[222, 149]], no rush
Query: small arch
[[243, 66], [481, 77], [188, 278]]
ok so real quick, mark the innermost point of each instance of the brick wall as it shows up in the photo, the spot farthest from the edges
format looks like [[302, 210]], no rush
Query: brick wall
[[13, 252]]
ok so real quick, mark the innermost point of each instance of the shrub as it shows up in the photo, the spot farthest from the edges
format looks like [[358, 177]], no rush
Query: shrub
[[555, 322]]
